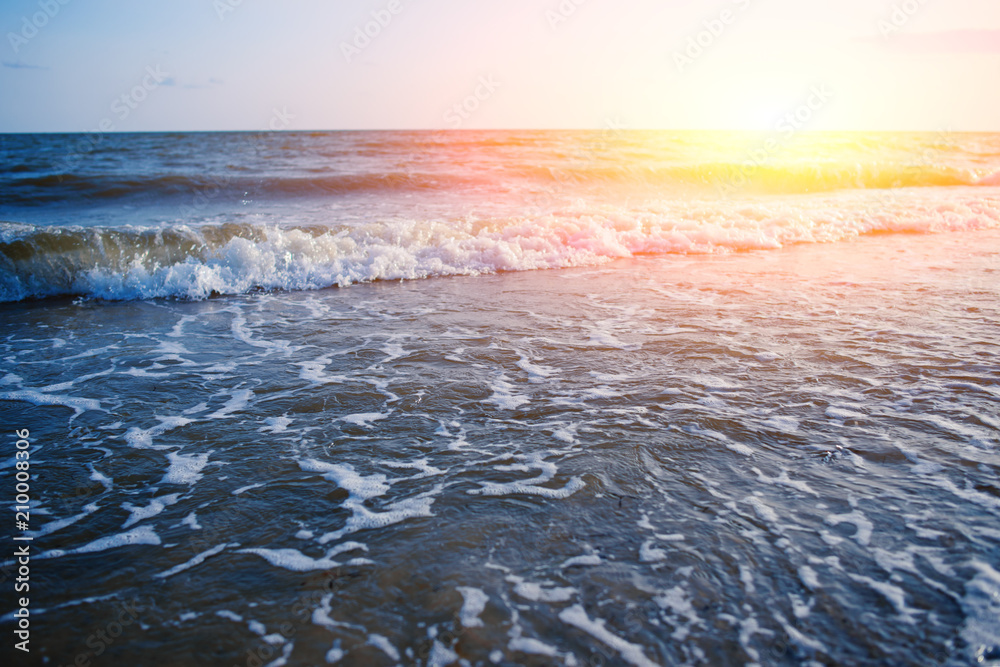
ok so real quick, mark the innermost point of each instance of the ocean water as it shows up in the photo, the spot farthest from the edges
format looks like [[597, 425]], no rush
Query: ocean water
[[514, 398]]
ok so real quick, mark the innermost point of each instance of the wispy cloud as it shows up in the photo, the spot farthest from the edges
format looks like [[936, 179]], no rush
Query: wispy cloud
[[945, 41], [212, 83], [21, 65]]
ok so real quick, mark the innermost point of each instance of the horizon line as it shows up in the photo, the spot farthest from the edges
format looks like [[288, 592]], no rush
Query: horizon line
[[496, 129]]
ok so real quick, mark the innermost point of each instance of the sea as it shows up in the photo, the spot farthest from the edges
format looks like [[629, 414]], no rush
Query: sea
[[612, 397]]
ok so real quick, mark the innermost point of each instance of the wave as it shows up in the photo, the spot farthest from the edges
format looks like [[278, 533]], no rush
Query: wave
[[761, 176], [567, 176], [34, 190], [196, 262], [992, 179]]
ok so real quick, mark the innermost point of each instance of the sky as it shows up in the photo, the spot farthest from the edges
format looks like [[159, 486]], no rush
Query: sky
[[182, 65]]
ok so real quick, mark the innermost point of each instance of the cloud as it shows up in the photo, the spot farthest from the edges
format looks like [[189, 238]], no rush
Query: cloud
[[212, 83], [21, 65], [946, 41]]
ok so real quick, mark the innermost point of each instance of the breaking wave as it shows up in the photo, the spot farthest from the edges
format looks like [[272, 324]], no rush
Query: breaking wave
[[199, 261]]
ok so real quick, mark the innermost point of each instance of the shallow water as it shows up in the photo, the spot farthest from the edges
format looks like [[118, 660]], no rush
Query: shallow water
[[748, 416], [778, 457]]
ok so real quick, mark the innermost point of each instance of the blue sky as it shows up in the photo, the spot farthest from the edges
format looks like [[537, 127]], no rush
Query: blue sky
[[75, 65]]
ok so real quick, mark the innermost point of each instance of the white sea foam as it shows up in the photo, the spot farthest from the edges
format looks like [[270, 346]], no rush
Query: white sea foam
[[784, 480], [969, 493], [601, 392], [363, 518], [344, 476], [421, 464], [364, 419], [140, 535], [383, 644], [763, 510], [782, 423], [863, 525], [504, 396], [155, 506], [843, 414], [678, 602], [98, 476], [185, 468], [740, 448], [808, 577], [474, 602], [295, 560], [441, 656], [276, 424], [797, 637], [143, 438], [648, 553], [78, 405], [144, 373], [630, 653], [536, 373], [531, 489], [539, 593], [530, 486], [586, 559], [894, 594], [532, 646], [196, 560], [321, 616], [242, 333], [981, 606], [239, 399], [59, 524], [314, 371], [360, 489]]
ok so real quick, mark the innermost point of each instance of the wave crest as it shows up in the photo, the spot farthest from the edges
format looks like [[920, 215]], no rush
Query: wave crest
[[195, 262]]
